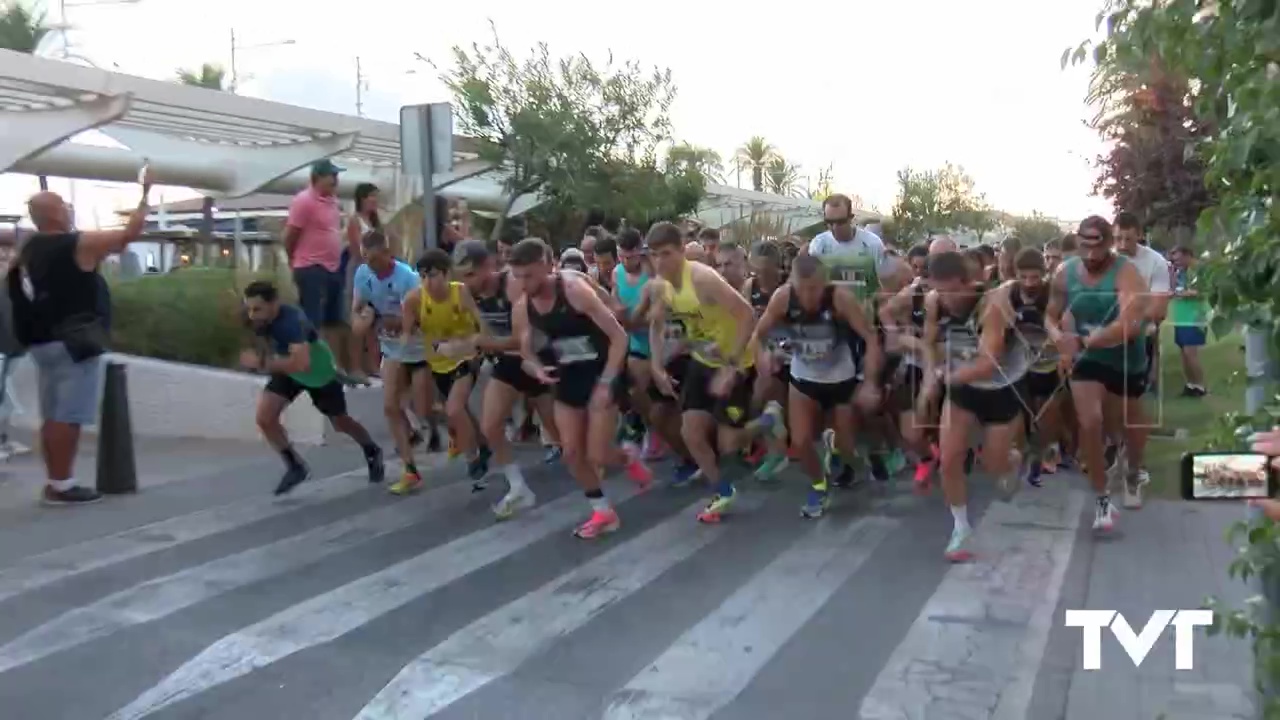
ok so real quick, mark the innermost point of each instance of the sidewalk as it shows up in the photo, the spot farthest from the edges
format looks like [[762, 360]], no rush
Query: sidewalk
[[1172, 555]]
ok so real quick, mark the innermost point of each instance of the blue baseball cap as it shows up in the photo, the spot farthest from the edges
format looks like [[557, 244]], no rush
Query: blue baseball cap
[[326, 167]]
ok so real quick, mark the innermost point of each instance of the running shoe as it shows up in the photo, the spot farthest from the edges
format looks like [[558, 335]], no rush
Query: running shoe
[[293, 477], [453, 446], [896, 461], [879, 472], [1104, 516], [959, 549], [636, 470], [513, 503], [715, 510], [755, 453], [830, 456], [408, 483], [551, 454], [377, 467], [478, 466], [922, 481], [601, 522], [76, 495], [654, 448], [815, 504], [433, 442], [771, 421], [846, 477], [1133, 485], [1033, 474], [1051, 459], [772, 464], [684, 475]]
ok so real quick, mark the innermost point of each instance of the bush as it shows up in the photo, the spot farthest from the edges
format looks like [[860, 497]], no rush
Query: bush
[[192, 315]]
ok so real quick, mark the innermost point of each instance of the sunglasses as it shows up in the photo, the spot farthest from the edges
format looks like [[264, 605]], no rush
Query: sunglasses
[[1089, 238], [837, 221]]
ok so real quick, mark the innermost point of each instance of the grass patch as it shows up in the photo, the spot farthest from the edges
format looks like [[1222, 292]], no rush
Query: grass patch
[[1223, 361]]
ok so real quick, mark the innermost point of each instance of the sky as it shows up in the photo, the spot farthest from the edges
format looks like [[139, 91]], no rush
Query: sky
[[865, 87]]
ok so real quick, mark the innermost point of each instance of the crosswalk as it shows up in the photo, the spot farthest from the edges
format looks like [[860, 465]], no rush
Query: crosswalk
[[423, 607]]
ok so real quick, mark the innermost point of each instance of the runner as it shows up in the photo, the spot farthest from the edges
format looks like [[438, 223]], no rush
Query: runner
[[977, 359], [297, 361], [903, 318], [770, 387], [571, 340], [449, 321], [508, 381], [818, 317], [1103, 349], [1043, 389], [378, 292], [731, 262], [716, 388], [606, 263]]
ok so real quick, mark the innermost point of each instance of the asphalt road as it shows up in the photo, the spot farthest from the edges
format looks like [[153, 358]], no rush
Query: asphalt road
[[209, 599]]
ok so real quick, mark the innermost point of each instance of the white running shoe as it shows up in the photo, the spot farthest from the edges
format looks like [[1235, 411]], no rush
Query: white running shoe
[[1104, 517], [514, 502], [1133, 485]]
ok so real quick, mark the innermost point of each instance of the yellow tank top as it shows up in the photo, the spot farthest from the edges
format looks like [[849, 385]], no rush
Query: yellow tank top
[[445, 320], [710, 329]]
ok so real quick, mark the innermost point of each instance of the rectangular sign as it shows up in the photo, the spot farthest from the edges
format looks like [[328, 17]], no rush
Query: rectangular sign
[[434, 121]]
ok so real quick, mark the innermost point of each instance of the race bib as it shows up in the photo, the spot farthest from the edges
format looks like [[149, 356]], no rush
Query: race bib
[[574, 350], [498, 322], [813, 349]]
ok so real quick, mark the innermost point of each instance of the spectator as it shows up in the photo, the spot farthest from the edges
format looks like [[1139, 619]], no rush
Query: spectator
[[60, 305], [313, 242], [1189, 315], [366, 357], [590, 237]]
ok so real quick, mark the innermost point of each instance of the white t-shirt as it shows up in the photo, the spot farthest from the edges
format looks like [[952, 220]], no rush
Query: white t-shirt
[[1153, 268], [864, 241]]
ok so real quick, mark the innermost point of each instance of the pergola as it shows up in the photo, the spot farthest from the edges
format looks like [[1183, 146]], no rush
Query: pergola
[[230, 146]]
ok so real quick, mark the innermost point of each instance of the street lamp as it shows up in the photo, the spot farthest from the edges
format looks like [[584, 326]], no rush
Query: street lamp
[[236, 47], [362, 85]]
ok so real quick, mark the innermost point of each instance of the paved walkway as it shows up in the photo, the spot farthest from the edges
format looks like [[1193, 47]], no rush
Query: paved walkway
[[206, 598]]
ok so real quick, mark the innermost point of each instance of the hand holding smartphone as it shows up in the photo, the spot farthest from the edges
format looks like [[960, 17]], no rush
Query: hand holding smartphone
[[1228, 476]]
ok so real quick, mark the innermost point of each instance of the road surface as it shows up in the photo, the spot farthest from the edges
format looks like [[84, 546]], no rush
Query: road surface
[[207, 598]]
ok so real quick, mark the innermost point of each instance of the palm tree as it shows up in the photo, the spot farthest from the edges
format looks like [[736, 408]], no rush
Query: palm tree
[[826, 183], [782, 177], [705, 161], [21, 30], [21, 27], [210, 76], [755, 156]]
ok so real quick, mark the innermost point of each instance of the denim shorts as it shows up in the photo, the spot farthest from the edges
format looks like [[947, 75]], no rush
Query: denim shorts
[[68, 390], [320, 294]]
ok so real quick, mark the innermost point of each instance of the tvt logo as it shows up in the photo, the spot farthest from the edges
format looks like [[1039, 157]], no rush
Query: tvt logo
[[1138, 645]]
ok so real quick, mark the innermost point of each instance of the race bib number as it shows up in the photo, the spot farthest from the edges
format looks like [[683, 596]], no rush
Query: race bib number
[[499, 323], [850, 277], [813, 350], [574, 350]]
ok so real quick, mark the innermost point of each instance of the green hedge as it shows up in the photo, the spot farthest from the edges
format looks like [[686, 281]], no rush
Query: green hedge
[[192, 315]]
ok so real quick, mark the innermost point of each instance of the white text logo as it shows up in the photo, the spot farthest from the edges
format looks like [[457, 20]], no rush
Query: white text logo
[[1138, 645]]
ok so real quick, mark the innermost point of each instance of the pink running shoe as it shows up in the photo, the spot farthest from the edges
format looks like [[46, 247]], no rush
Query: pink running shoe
[[923, 477], [601, 522], [654, 448], [636, 470]]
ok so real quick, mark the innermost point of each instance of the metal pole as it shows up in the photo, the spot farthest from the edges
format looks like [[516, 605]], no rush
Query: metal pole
[[359, 87], [429, 236], [235, 77], [66, 48]]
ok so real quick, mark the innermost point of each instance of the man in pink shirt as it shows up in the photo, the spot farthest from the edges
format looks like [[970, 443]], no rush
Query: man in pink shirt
[[313, 241]]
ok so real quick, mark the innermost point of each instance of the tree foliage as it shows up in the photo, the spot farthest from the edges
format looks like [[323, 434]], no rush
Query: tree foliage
[[782, 177], [941, 199], [755, 157], [1036, 229], [825, 187], [22, 26], [210, 76], [579, 134], [1229, 53], [688, 157]]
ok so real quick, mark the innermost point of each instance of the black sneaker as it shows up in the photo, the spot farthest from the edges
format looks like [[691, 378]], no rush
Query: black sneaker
[[293, 477], [478, 466], [433, 443], [879, 472], [845, 477], [416, 439], [78, 495], [377, 467]]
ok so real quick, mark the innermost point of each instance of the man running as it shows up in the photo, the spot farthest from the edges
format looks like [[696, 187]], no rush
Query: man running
[[298, 360], [447, 317], [770, 387], [731, 263], [570, 339], [976, 357], [1103, 349], [716, 387], [378, 291], [630, 287], [1043, 388], [818, 316], [508, 381]]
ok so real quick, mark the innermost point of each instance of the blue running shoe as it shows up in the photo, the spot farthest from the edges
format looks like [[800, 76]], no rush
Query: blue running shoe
[[685, 473]]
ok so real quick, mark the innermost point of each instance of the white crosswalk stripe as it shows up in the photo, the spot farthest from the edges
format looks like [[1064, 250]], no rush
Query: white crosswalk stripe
[[475, 651]]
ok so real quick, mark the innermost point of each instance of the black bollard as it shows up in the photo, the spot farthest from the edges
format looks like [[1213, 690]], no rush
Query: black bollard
[[117, 471]]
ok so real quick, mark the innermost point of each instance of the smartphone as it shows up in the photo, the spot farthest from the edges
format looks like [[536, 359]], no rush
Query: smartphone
[[1227, 476]]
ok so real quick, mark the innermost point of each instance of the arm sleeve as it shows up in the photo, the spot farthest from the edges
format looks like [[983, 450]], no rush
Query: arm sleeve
[[1160, 278], [360, 281], [287, 330]]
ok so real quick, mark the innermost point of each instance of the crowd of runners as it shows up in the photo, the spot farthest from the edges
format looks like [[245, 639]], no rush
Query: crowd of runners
[[853, 360]]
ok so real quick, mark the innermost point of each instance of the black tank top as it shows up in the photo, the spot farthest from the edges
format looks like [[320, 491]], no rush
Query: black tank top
[[496, 308], [820, 321], [1028, 312], [758, 298], [563, 335], [917, 306], [55, 287]]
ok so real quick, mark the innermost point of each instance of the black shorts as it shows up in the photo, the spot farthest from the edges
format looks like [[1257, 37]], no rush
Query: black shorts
[[827, 395], [997, 406], [1042, 385], [1112, 379], [677, 368], [446, 381], [631, 353], [329, 399], [695, 395], [783, 372], [577, 383], [509, 370]]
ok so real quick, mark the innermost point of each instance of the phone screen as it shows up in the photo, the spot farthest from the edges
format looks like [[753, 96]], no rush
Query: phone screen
[[1228, 476]]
